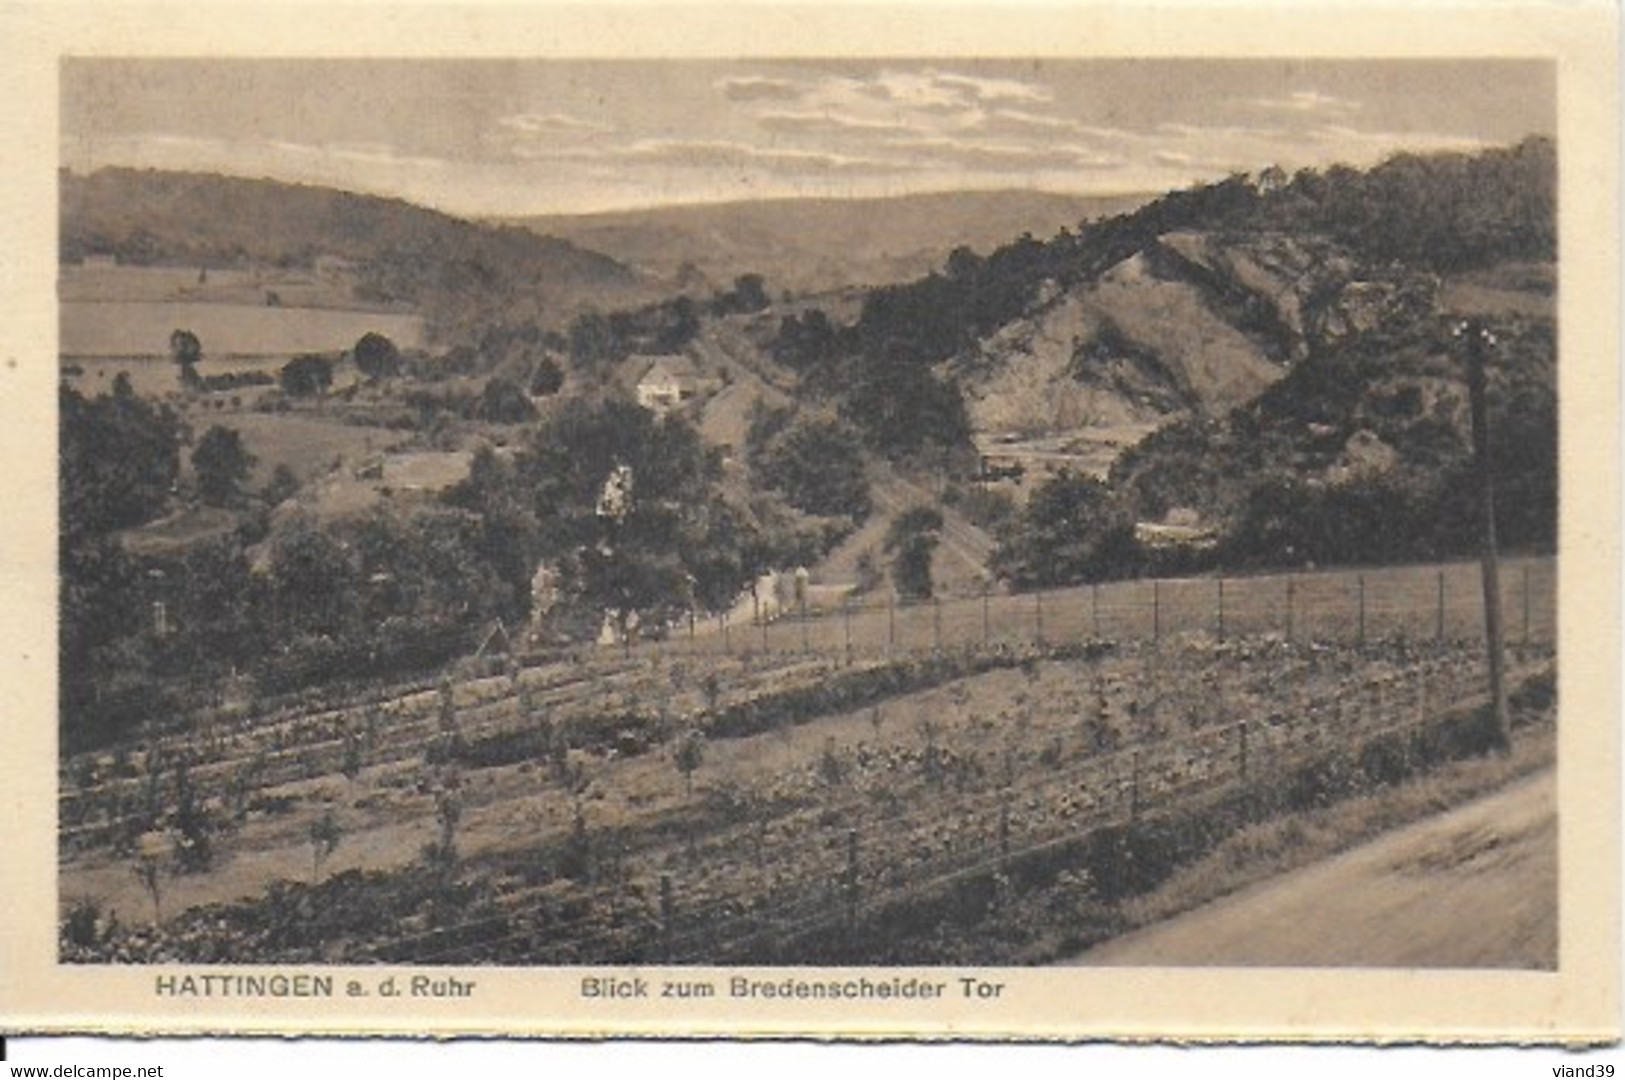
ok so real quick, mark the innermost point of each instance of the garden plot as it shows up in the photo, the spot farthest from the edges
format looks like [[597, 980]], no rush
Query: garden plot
[[647, 808]]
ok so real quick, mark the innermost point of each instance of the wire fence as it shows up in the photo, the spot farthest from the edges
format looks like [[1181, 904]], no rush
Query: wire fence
[[843, 865], [1434, 602]]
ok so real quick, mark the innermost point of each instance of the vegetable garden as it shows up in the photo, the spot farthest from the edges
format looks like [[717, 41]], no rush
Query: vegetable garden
[[744, 808]]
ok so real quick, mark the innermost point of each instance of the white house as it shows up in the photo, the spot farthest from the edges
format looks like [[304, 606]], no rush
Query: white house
[[669, 382]]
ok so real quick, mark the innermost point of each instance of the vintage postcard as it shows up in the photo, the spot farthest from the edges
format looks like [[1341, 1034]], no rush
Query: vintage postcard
[[986, 522]]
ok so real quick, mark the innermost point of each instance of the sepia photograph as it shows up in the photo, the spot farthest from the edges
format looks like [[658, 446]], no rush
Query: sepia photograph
[[839, 531]]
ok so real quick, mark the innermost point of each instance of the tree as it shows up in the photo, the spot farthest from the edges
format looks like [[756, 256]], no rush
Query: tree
[[306, 376], [312, 579], [376, 356], [594, 343], [817, 465], [748, 295], [750, 292], [119, 459], [503, 402], [547, 379], [809, 344], [1072, 529], [630, 507], [187, 351], [325, 834], [689, 755], [221, 464], [151, 850], [215, 606], [911, 541], [282, 486]]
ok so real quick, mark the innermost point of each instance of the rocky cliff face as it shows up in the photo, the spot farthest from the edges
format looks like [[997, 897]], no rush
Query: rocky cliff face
[[1192, 324]]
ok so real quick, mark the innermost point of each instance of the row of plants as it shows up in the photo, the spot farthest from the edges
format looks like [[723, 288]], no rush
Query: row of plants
[[752, 849]]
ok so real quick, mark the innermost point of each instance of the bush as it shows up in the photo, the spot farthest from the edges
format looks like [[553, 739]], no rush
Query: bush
[[306, 376]]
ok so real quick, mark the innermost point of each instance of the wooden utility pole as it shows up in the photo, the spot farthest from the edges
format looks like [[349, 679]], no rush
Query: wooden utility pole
[[1478, 340]]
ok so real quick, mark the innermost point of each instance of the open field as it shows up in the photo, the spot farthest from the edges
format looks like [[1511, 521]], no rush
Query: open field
[[96, 330], [217, 285], [157, 376], [309, 445]]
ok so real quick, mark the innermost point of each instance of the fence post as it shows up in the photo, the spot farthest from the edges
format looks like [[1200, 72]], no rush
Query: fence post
[[665, 917], [846, 625], [1156, 610], [936, 622], [804, 647], [1038, 615], [764, 631], [1221, 609], [1004, 832], [851, 879], [1291, 588], [1439, 629], [1134, 789], [1360, 580], [1094, 607], [1526, 605], [1241, 752]]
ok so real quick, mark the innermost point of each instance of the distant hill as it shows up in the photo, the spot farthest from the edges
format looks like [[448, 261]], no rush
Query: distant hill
[[813, 245], [455, 271]]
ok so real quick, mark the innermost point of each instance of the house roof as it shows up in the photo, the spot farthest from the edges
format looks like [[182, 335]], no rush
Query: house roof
[[669, 368]]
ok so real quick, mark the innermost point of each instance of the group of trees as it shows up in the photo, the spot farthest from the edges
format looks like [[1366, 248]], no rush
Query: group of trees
[[1277, 482], [815, 462], [596, 341], [1428, 212], [375, 356], [877, 379], [628, 509]]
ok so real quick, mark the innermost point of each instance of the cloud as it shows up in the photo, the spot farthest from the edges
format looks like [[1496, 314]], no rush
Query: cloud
[[892, 101], [550, 124], [1022, 119], [758, 88], [1003, 156], [683, 153], [829, 123], [1366, 147], [996, 89], [1221, 131], [532, 136], [1308, 102]]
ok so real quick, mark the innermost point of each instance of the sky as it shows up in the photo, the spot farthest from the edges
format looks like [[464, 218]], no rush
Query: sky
[[520, 137]]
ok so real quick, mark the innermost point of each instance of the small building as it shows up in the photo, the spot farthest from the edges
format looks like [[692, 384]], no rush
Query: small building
[[1181, 528], [332, 267], [668, 383]]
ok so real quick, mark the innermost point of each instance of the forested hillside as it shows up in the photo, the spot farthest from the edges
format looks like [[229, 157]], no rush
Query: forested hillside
[[460, 274], [1286, 333]]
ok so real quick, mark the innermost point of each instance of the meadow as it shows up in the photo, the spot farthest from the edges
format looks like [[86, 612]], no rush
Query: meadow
[[108, 331]]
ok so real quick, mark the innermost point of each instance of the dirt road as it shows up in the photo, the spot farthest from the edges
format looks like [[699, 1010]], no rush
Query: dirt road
[[1472, 888]]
